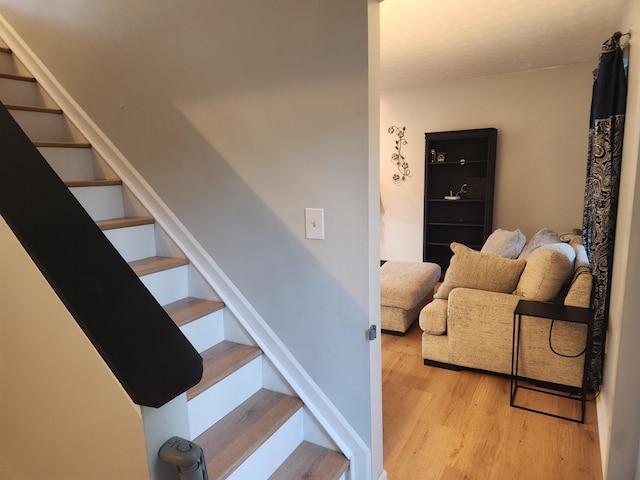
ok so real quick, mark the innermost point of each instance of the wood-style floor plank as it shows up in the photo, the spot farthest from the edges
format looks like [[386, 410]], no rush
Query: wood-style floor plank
[[72, 144], [12, 76], [442, 424], [93, 183], [113, 223], [150, 265], [312, 462], [33, 108], [189, 309], [220, 361], [230, 441]]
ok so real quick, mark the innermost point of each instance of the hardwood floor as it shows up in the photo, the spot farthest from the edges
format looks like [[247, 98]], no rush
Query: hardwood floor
[[442, 424]]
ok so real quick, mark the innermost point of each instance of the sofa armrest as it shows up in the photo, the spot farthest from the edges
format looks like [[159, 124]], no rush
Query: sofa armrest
[[433, 317], [480, 324], [579, 294]]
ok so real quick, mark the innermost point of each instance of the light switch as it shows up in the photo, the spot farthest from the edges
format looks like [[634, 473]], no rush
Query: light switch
[[314, 223]]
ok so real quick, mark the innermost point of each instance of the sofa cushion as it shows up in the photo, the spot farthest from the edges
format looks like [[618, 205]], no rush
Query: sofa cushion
[[481, 271], [548, 269], [579, 291], [504, 243], [540, 238], [582, 260]]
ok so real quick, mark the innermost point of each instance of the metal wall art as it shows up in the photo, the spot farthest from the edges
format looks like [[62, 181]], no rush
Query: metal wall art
[[397, 158]]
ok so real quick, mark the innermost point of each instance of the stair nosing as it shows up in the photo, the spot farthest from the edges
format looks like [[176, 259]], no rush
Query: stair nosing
[[220, 361], [124, 222], [45, 143], [186, 310], [324, 461], [13, 76], [93, 183], [33, 108], [147, 266]]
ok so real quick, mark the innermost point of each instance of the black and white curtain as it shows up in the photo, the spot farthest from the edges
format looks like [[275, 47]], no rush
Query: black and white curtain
[[601, 193]]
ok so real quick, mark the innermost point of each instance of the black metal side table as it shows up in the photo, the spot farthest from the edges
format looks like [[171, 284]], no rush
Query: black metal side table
[[555, 312]]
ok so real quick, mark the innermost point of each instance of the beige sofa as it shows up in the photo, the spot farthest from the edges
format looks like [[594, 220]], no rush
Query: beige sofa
[[470, 321]]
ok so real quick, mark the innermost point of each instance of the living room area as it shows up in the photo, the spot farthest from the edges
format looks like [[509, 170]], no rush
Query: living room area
[[541, 116]]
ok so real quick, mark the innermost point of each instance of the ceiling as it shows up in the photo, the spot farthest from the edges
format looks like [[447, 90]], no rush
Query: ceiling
[[432, 41]]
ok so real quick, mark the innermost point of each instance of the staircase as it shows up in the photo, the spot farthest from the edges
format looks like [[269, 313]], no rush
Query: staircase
[[247, 419]]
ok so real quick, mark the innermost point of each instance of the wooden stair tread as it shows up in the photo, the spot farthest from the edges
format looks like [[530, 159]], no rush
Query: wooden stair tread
[[93, 183], [23, 78], [188, 309], [312, 462], [235, 437], [113, 223], [150, 265], [62, 144], [220, 361], [29, 108]]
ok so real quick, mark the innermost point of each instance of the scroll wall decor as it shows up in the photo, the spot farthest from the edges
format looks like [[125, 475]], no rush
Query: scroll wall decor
[[397, 158]]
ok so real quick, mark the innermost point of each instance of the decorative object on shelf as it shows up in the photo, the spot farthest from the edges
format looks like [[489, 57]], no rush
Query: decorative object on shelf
[[433, 155], [451, 196], [441, 157], [458, 195], [397, 158]]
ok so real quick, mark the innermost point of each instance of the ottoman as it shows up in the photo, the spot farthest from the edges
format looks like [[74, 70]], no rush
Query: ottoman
[[405, 287]]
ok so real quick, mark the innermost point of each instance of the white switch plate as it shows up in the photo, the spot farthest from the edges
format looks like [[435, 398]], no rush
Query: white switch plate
[[314, 223]]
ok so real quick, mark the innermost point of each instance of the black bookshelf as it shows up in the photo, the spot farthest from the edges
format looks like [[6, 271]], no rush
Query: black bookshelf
[[454, 159]]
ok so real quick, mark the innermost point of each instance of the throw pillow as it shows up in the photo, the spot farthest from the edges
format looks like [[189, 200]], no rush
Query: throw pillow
[[541, 237], [482, 271], [548, 268], [504, 243]]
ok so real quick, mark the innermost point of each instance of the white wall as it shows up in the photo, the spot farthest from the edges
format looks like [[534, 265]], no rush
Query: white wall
[[542, 119], [618, 411], [240, 114], [64, 414]]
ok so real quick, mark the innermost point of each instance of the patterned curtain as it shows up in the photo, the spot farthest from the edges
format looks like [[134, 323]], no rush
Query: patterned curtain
[[602, 185]]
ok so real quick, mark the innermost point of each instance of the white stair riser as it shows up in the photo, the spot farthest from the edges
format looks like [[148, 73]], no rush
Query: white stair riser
[[205, 332], [169, 285], [101, 203], [217, 401], [272, 380], [7, 64], [266, 460], [17, 92], [133, 243], [234, 332], [314, 433], [11, 65], [71, 164], [46, 126]]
